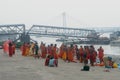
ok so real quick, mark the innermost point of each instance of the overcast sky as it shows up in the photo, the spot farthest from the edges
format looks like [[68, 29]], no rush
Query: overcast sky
[[79, 13]]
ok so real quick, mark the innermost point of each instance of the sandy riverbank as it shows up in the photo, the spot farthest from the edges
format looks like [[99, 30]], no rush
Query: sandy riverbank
[[28, 68]]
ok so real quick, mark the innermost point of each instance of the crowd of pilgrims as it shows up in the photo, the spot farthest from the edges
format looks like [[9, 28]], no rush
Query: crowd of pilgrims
[[69, 53]]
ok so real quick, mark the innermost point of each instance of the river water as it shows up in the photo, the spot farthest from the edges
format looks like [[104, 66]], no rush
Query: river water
[[108, 49]]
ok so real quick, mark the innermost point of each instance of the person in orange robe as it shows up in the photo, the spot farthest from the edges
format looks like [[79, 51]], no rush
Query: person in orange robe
[[81, 51], [41, 45], [85, 53], [43, 51], [95, 55], [70, 53], [88, 53], [91, 55], [65, 53], [50, 49], [27, 49], [101, 54], [61, 51], [6, 47], [55, 51], [23, 48]]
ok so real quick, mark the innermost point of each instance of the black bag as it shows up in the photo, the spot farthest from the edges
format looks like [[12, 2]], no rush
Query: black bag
[[86, 68]]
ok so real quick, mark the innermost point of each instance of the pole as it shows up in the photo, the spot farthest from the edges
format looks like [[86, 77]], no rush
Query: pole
[[64, 19]]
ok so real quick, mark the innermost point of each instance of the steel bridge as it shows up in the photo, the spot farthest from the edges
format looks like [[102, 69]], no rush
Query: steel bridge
[[12, 29], [42, 30], [60, 31]]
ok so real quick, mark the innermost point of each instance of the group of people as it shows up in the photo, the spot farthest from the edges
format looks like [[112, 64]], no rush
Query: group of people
[[50, 53], [30, 49], [83, 54], [69, 53], [33, 49], [9, 47]]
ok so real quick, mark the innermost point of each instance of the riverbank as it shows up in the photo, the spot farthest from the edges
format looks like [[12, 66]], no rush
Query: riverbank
[[28, 68]]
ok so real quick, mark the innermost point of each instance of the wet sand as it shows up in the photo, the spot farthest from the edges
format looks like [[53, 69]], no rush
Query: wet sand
[[28, 68]]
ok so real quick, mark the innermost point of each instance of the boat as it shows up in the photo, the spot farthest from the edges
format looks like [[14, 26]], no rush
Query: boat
[[61, 40], [88, 41]]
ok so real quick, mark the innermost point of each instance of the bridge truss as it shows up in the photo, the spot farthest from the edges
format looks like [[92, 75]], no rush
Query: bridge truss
[[12, 29], [61, 31]]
